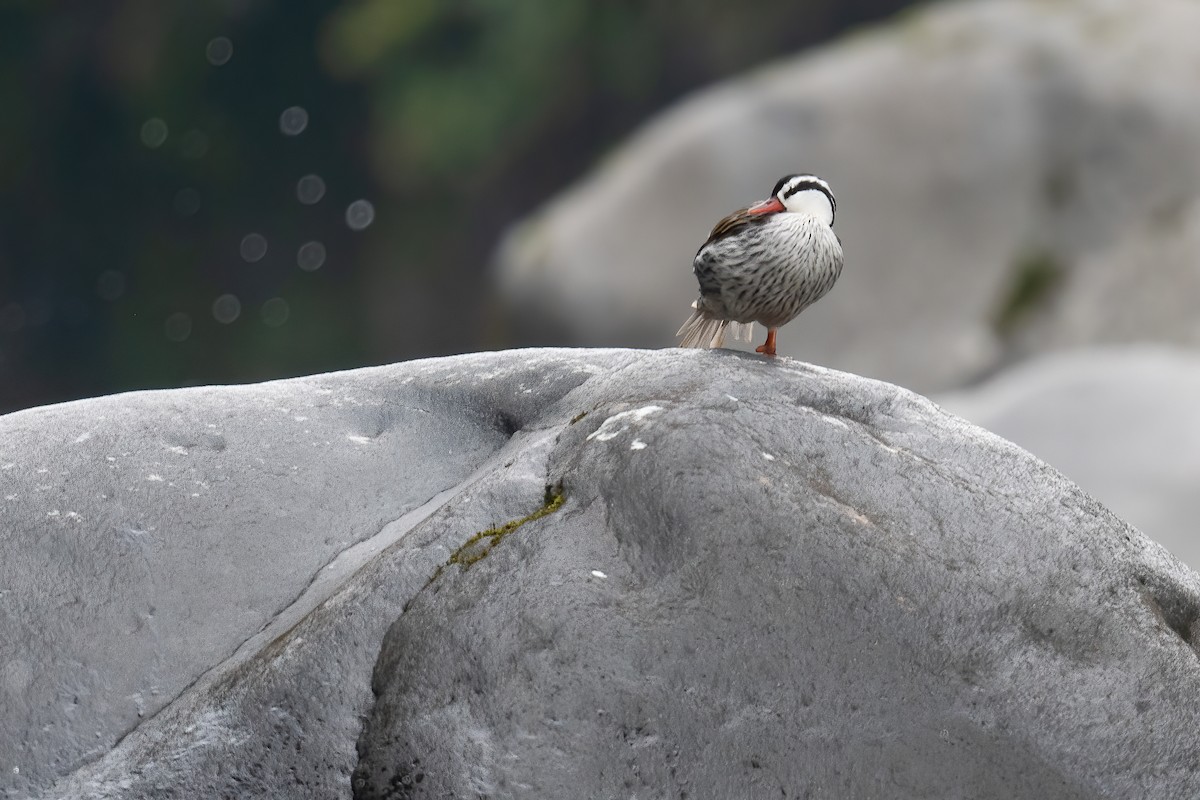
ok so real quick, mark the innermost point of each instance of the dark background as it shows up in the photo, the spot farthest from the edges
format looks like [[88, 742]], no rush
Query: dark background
[[135, 160]]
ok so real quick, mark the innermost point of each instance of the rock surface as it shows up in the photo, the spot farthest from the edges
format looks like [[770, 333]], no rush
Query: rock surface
[[1012, 176], [1123, 423], [761, 576], [147, 538]]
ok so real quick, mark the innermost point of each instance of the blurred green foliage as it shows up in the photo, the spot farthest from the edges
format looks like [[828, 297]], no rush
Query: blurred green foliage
[[480, 78], [453, 117]]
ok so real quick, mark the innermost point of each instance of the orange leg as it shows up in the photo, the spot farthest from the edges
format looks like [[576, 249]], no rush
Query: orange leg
[[768, 348]]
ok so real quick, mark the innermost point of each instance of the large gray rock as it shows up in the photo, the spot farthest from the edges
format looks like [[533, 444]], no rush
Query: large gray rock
[[1012, 176], [1123, 423], [761, 577], [148, 538]]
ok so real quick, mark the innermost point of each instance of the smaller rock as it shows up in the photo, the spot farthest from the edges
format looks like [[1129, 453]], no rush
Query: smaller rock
[[1123, 423]]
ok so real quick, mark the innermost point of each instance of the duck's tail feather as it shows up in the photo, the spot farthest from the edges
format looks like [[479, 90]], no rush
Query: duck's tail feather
[[701, 330]]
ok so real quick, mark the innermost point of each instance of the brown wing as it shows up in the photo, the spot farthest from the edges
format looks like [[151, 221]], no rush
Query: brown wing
[[735, 222], [741, 219]]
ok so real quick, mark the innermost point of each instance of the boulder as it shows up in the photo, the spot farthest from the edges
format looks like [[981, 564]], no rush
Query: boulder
[[1121, 422], [148, 539], [580, 573], [1012, 176]]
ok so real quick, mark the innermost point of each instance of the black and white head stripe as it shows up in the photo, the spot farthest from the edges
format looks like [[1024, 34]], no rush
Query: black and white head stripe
[[789, 185]]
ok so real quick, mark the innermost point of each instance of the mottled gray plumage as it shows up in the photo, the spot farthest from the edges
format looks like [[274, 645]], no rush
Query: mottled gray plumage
[[765, 264]]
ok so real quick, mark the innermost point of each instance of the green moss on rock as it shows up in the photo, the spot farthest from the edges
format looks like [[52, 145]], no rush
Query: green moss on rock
[[479, 545], [1036, 275]]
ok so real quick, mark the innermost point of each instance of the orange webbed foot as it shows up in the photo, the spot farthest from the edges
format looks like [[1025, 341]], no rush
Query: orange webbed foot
[[767, 348]]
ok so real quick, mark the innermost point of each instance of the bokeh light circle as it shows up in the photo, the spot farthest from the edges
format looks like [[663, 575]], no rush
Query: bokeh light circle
[[219, 51], [311, 256], [310, 189], [293, 121], [360, 214], [154, 132], [226, 308], [178, 327], [253, 247]]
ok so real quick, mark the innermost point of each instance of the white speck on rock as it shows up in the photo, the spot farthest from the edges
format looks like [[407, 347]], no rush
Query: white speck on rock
[[9, 465], [52, 513], [358, 439], [155, 478], [835, 421], [179, 450], [638, 444], [598, 574], [617, 424], [83, 437], [109, 458], [42, 471], [299, 418], [768, 456], [731, 397]]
